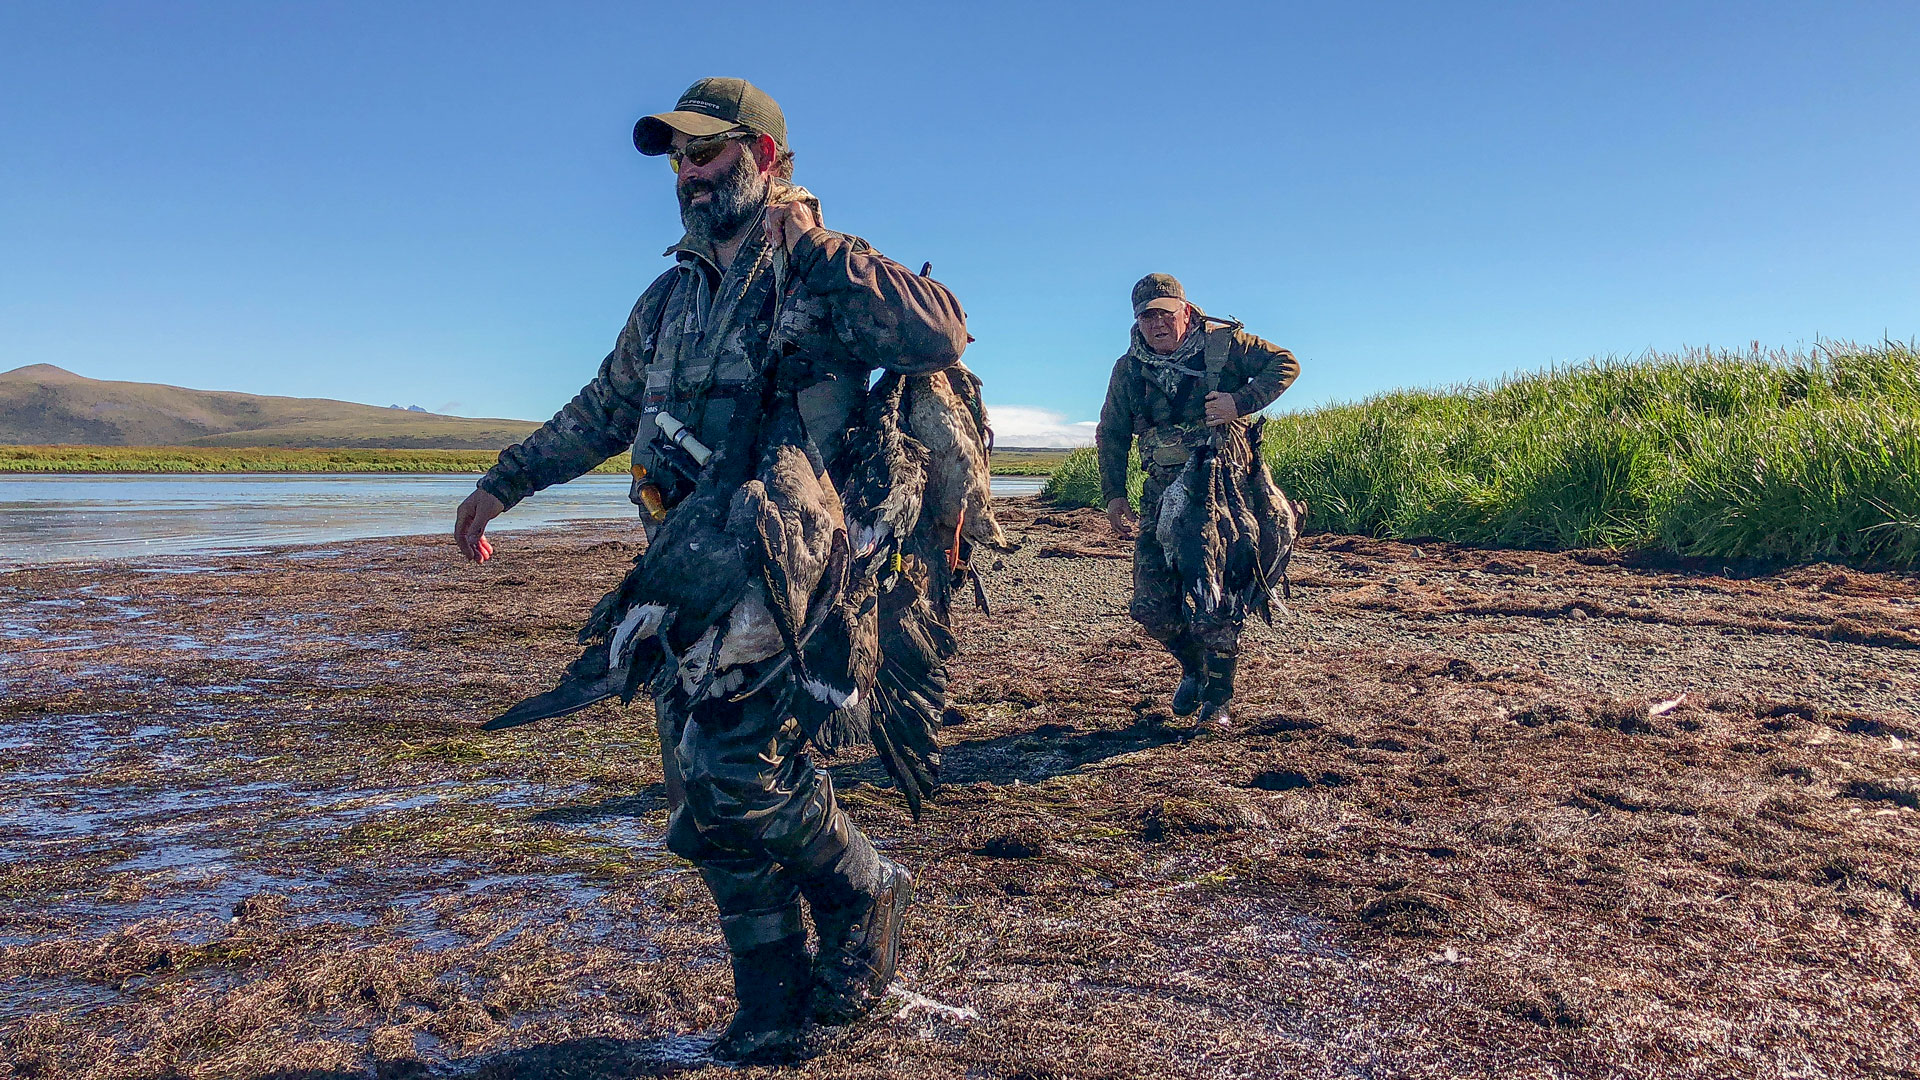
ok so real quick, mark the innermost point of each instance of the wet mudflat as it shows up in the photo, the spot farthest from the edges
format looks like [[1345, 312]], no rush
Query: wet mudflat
[[1481, 813]]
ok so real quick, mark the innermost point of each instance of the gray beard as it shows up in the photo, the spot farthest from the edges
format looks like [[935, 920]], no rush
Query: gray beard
[[738, 198]]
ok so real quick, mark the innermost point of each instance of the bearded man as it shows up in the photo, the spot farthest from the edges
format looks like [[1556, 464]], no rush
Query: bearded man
[[756, 278], [1185, 375]]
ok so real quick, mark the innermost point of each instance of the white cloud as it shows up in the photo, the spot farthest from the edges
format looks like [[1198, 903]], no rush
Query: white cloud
[[1026, 425]]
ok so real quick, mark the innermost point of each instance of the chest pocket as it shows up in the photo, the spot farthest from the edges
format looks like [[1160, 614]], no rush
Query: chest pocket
[[730, 375], [659, 387]]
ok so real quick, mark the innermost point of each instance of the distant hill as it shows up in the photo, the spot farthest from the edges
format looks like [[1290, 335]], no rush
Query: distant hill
[[44, 405]]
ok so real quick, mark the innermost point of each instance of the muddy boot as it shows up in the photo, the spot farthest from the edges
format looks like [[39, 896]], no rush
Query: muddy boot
[[859, 901], [859, 946], [771, 984], [1219, 690], [1193, 679]]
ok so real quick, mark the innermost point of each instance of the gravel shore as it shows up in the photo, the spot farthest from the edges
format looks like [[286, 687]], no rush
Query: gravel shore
[[1480, 813]]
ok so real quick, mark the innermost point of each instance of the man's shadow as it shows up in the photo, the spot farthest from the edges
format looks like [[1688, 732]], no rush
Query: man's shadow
[[594, 1059], [569, 1059], [1029, 757], [639, 804]]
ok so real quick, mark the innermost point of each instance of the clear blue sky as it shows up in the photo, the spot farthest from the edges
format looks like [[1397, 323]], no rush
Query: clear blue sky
[[438, 203]]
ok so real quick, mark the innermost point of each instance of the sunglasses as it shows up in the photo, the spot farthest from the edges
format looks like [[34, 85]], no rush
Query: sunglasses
[[700, 151]]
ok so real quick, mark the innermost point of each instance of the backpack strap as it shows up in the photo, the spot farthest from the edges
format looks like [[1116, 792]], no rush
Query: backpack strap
[[1219, 339]]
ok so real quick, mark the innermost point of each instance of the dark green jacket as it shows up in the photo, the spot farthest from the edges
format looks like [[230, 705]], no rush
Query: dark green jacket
[[1255, 372]]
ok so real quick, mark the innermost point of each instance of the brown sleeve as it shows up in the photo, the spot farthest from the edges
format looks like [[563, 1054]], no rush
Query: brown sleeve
[[881, 314], [598, 423], [1113, 436], [1268, 368]]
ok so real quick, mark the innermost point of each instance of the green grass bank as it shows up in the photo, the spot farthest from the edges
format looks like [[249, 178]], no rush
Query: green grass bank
[[1775, 456]]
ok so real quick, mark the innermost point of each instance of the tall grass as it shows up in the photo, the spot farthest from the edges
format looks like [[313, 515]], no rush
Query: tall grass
[[1779, 456], [1076, 481]]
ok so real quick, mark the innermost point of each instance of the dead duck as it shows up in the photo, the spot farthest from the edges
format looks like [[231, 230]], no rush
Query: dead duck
[[727, 596]]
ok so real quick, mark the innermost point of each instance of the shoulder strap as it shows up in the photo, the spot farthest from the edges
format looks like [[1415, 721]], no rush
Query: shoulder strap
[[1219, 340]]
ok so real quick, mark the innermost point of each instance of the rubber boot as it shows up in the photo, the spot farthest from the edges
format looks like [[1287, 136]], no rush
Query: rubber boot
[[1193, 678], [859, 948], [859, 902], [1219, 689], [770, 982]]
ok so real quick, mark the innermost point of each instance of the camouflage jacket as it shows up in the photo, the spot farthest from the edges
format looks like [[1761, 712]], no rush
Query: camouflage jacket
[[1166, 411], [698, 335]]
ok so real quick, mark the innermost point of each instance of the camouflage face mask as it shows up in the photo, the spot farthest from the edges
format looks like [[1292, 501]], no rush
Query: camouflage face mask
[[1168, 371]]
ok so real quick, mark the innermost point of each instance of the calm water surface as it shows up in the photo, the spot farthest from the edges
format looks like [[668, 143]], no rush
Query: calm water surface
[[54, 518]]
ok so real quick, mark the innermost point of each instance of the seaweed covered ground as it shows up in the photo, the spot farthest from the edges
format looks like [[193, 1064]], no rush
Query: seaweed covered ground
[[1480, 813]]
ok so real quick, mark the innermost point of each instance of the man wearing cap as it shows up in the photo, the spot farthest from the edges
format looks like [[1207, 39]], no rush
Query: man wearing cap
[[1185, 373], [755, 276]]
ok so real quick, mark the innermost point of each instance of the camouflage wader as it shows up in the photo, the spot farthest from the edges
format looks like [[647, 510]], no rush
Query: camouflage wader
[[759, 820]]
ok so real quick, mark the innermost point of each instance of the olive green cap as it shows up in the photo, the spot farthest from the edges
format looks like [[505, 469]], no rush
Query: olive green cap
[[1158, 291], [710, 107]]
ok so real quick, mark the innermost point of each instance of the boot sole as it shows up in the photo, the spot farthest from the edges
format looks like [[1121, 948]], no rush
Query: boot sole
[[788, 1049], [1215, 714]]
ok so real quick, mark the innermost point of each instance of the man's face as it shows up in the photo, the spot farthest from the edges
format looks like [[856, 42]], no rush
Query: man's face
[[1165, 329], [722, 195]]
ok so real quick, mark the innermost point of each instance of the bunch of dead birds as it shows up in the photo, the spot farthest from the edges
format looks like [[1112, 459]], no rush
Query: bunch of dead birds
[[768, 580], [1228, 530]]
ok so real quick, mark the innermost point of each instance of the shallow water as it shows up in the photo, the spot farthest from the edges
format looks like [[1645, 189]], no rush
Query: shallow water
[[66, 517]]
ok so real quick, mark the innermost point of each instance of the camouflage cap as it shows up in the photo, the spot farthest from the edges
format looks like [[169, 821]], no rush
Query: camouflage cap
[[1158, 291], [710, 107]]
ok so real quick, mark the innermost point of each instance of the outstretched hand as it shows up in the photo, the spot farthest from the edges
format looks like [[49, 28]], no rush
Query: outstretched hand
[[1122, 518], [470, 525]]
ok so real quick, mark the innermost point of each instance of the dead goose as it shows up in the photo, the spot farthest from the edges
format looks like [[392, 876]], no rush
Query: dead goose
[[691, 575], [1211, 533], [886, 471], [959, 484], [1189, 531], [742, 572], [1279, 520], [1227, 529], [792, 507], [1242, 576]]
